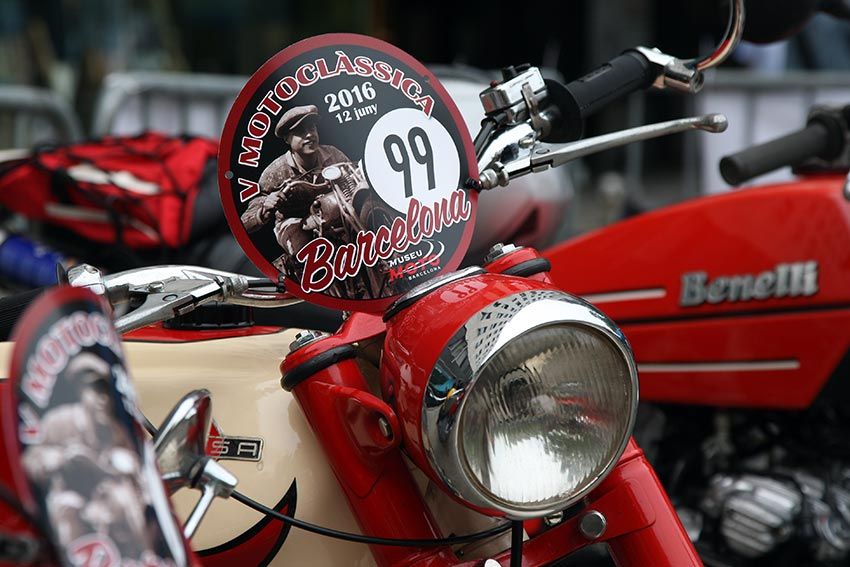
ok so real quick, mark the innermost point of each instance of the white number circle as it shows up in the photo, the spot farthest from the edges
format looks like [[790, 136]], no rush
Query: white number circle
[[411, 155]]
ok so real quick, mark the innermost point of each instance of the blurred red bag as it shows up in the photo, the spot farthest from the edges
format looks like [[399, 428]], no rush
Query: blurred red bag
[[136, 191]]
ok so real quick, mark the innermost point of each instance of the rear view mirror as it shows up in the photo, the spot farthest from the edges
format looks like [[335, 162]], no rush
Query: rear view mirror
[[181, 454], [181, 441]]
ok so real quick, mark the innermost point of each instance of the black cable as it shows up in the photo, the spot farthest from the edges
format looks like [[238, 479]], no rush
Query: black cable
[[357, 538], [306, 526], [488, 126], [516, 543]]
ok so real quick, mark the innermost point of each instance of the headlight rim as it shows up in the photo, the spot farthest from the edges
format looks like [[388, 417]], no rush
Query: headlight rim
[[451, 465]]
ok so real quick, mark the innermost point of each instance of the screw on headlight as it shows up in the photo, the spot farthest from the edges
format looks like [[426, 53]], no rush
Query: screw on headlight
[[593, 525], [499, 250], [553, 519], [304, 338], [385, 428]]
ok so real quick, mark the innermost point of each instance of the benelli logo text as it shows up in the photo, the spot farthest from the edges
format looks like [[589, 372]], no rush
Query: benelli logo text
[[785, 280], [66, 338], [324, 263]]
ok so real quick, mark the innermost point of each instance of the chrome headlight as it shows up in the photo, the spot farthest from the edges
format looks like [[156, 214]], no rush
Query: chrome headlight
[[530, 404]]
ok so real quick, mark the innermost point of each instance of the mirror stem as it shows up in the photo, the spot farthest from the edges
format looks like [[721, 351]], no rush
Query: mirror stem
[[213, 481], [207, 497]]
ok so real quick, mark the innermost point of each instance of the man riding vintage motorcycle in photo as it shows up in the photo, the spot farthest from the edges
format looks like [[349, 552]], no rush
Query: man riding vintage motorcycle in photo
[[312, 190], [279, 198]]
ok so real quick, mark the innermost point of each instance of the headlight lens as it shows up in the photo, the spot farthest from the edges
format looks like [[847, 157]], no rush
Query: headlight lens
[[544, 416], [530, 404]]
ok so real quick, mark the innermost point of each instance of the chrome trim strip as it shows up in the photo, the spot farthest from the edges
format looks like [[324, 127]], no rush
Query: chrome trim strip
[[631, 295], [738, 366]]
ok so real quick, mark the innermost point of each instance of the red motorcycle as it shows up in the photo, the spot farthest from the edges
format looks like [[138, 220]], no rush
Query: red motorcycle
[[735, 306], [484, 398]]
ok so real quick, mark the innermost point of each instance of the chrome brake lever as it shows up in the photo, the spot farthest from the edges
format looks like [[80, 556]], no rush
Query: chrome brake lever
[[534, 156], [116, 286], [141, 277], [553, 155], [163, 292], [171, 298]]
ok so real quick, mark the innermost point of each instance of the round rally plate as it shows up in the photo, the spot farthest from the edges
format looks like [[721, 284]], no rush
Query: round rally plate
[[81, 462], [342, 168]]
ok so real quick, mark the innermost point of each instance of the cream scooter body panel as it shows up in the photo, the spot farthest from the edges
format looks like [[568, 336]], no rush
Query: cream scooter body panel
[[243, 376]]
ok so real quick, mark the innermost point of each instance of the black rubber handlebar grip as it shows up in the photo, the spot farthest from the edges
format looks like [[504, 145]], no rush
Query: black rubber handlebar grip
[[623, 75], [11, 309], [823, 137]]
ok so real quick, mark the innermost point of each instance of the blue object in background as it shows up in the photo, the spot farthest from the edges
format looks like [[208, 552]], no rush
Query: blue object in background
[[27, 262]]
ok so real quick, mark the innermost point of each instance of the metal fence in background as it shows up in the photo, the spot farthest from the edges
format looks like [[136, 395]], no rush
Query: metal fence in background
[[759, 107], [31, 116], [194, 103], [173, 103]]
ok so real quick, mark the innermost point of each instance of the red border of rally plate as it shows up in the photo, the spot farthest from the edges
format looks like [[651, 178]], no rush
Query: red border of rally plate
[[31, 322], [226, 143]]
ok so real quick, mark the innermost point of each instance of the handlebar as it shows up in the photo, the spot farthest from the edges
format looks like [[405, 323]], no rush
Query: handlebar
[[527, 116], [157, 293], [301, 184], [823, 137]]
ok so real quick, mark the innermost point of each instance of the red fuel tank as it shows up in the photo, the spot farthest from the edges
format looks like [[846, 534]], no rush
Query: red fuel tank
[[741, 299]]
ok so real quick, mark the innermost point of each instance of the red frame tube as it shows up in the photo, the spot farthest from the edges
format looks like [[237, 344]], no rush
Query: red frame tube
[[665, 541], [643, 528], [642, 525], [379, 488]]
